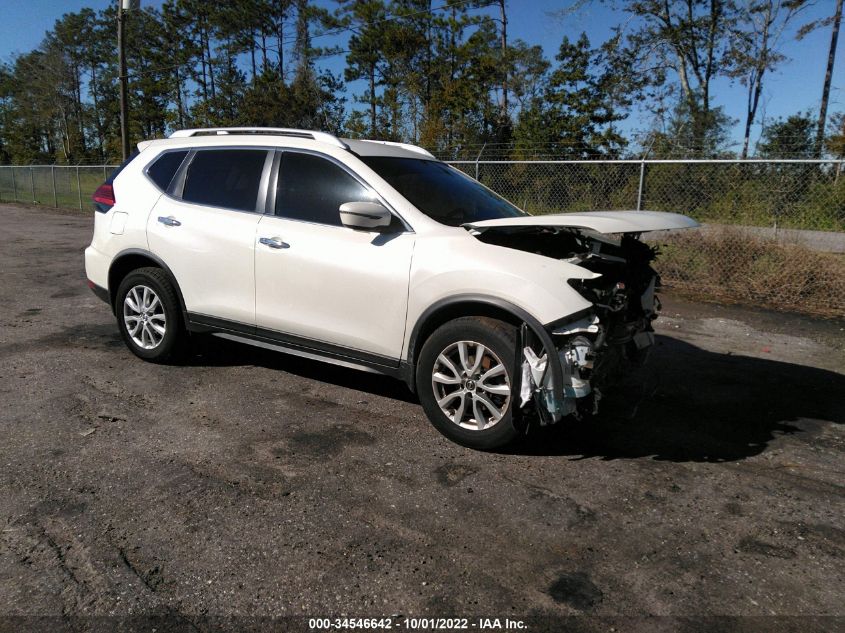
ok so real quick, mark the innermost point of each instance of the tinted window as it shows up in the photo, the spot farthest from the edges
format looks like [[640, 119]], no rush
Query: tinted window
[[164, 168], [441, 192], [312, 189], [225, 178]]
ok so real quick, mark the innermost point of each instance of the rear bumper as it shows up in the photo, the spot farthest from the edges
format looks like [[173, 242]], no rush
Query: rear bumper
[[97, 273], [101, 292], [97, 266]]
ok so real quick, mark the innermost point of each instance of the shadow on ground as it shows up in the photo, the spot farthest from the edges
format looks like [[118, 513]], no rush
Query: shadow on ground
[[687, 404], [211, 351]]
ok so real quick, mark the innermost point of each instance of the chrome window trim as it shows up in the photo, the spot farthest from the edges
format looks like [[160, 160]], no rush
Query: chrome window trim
[[177, 184]]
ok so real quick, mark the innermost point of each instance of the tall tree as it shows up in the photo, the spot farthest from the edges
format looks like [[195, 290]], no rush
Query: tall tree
[[574, 117], [365, 59], [831, 58], [528, 68], [792, 137], [690, 37], [754, 50], [504, 66], [176, 24]]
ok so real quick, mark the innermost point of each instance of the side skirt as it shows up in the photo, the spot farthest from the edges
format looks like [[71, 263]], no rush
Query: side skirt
[[299, 346]]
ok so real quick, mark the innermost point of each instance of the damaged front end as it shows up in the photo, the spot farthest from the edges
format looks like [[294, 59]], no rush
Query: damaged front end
[[593, 347]]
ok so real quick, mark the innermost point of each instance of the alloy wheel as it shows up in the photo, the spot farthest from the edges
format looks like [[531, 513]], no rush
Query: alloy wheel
[[143, 315], [471, 385]]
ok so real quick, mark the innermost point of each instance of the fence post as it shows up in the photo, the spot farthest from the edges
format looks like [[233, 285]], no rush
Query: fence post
[[105, 175], [53, 178], [32, 184], [78, 188], [640, 190], [478, 158], [14, 184]]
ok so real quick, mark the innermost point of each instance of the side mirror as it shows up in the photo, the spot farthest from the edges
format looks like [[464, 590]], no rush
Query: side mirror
[[365, 216]]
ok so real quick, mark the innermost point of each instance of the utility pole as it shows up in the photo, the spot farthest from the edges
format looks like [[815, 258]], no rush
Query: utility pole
[[831, 57], [504, 18], [122, 7]]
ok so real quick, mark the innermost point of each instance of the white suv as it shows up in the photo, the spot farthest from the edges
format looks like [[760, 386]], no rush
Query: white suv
[[377, 256]]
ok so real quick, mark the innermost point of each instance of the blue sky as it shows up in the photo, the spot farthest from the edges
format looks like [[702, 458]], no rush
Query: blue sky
[[795, 86]]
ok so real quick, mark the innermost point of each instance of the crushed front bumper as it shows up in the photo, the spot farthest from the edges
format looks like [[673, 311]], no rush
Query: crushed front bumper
[[565, 385]]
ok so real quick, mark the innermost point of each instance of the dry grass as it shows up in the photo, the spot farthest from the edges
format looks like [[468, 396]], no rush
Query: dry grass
[[729, 264]]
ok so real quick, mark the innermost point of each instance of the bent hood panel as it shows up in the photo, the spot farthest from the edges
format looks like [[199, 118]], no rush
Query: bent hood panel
[[598, 221]]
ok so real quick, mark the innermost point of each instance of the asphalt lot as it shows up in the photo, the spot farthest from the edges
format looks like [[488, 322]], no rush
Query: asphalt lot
[[247, 483]]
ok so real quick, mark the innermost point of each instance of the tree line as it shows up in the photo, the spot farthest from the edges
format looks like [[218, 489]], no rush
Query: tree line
[[439, 73]]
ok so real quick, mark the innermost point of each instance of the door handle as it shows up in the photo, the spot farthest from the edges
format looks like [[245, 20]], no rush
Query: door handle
[[273, 242], [169, 221]]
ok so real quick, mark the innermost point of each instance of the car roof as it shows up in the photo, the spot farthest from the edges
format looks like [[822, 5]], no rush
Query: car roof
[[288, 137]]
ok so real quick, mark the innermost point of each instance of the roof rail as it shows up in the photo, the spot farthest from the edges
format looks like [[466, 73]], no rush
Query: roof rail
[[322, 137], [407, 146]]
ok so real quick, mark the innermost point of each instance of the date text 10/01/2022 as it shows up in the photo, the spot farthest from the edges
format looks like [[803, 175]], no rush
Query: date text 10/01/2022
[[418, 624]]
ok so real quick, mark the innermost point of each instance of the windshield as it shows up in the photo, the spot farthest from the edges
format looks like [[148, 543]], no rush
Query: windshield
[[441, 192]]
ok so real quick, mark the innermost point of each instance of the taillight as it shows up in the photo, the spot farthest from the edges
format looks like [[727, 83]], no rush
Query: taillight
[[105, 195]]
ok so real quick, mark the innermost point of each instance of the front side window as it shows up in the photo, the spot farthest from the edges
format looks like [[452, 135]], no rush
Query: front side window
[[226, 178], [441, 192], [312, 189]]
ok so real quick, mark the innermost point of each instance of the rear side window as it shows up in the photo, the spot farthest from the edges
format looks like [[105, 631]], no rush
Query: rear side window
[[225, 178], [164, 168], [312, 189]]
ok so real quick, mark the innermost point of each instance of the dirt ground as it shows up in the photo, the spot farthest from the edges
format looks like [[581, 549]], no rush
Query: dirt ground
[[247, 485]]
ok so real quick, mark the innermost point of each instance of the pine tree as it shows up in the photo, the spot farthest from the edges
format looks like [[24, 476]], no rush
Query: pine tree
[[573, 118]]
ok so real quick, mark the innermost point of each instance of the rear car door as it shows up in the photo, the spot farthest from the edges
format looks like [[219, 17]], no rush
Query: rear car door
[[204, 230], [321, 284]]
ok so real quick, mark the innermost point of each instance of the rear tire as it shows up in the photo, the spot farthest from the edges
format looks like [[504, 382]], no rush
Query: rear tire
[[464, 375], [149, 315]]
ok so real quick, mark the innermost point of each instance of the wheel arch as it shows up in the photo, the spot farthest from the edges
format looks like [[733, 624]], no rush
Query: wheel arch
[[475, 305], [132, 259]]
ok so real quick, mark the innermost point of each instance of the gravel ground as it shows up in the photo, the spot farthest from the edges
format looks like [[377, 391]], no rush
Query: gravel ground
[[247, 484]]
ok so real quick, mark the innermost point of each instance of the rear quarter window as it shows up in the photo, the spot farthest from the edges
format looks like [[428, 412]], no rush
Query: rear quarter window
[[163, 169]]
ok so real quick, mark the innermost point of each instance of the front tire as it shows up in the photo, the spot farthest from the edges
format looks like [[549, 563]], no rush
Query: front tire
[[149, 316], [465, 375]]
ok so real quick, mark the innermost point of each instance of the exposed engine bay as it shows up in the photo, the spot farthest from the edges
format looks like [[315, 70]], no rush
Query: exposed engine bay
[[593, 346]]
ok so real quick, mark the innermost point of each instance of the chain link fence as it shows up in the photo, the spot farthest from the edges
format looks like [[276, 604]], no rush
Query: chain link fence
[[773, 231], [61, 186]]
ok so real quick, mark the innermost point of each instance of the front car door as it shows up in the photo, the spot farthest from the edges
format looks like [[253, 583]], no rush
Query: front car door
[[321, 284], [204, 230]]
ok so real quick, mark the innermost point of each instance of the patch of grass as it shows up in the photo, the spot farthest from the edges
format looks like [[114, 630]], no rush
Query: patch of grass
[[729, 264]]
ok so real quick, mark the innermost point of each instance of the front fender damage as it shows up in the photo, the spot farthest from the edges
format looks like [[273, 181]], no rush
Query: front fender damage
[[576, 358], [589, 349]]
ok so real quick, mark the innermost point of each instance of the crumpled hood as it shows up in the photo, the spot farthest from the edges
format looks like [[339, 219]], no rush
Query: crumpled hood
[[598, 221]]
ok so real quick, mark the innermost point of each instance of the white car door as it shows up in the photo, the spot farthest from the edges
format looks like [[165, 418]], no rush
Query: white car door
[[205, 231], [320, 284]]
